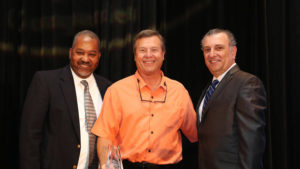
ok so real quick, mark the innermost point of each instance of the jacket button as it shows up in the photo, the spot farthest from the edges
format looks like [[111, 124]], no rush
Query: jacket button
[[74, 166], [78, 146]]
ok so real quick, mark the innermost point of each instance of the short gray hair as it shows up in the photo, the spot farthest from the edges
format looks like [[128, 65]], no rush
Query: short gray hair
[[88, 33], [232, 41]]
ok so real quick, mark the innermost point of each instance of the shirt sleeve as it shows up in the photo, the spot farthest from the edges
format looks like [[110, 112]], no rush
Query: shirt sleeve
[[107, 125]]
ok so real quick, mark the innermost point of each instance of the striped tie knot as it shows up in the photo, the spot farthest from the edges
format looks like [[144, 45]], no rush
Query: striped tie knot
[[209, 92], [85, 83]]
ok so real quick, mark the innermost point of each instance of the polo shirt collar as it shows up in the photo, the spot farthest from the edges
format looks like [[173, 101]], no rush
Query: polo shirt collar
[[143, 84]]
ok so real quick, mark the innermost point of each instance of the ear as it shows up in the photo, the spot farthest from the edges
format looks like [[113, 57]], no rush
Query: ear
[[99, 55], [233, 51], [70, 53], [134, 56], [164, 52]]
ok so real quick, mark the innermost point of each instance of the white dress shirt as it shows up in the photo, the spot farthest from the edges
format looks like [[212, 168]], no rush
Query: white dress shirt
[[97, 100], [214, 78]]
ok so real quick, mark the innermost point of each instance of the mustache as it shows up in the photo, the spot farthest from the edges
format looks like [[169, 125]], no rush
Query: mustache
[[84, 63]]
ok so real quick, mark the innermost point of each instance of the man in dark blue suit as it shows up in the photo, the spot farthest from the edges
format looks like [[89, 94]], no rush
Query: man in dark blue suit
[[231, 111], [53, 131]]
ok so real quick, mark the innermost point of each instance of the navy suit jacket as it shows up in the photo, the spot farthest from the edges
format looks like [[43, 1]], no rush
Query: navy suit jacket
[[232, 130], [50, 130]]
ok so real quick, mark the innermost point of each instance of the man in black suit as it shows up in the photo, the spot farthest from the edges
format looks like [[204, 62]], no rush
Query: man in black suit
[[231, 126], [53, 131]]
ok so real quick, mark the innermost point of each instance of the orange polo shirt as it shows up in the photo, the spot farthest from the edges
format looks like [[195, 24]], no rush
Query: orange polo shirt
[[147, 131]]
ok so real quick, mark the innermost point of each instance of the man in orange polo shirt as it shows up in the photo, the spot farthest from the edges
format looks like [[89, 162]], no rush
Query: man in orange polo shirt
[[144, 113]]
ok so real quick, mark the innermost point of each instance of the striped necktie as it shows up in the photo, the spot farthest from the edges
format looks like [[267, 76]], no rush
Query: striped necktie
[[90, 118], [209, 92]]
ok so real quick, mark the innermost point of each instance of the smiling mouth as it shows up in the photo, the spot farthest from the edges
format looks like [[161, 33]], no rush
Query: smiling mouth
[[213, 61], [148, 62], [84, 67], [84, 64]]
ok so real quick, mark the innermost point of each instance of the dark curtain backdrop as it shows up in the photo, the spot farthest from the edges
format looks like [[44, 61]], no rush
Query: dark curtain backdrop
[[36, 35]]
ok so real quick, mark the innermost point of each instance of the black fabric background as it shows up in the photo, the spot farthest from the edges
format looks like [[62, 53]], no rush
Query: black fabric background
[[36, 35]]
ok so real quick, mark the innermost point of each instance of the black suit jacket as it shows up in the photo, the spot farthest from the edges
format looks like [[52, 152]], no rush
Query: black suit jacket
[[232, 130], [50, 130]]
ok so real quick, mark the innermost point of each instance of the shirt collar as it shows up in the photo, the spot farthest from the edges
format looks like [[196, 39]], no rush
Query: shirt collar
[[222, 75], [143, 84], [77, 79]]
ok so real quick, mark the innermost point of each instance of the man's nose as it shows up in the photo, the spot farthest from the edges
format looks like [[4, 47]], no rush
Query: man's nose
[[85, 57], [148, 53]]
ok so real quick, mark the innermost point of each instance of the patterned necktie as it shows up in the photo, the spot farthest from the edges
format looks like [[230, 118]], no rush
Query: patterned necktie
[[209, 92], [90, 118]]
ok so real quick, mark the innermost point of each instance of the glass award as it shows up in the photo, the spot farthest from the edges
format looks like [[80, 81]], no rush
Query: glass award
[[114, 159]]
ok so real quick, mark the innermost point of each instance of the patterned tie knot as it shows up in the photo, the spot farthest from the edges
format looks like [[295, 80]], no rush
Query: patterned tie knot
[[209, 92], [85, 83], [214, 83]]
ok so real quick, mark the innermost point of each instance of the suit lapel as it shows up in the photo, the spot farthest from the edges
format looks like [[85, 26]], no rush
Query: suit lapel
[[199, 102], [100, 85], [222, 85], [69, 93], [202, 96]]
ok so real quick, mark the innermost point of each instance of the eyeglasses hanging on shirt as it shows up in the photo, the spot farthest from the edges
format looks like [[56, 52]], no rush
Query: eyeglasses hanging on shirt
[[155, 101]]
